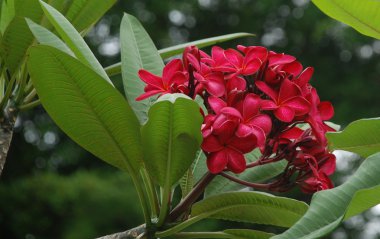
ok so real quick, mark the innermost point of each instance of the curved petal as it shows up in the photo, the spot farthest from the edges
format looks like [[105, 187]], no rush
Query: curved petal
[[211, 144], [267, 90], [170, 69], [284, 113], [231, 112], [217, 162], [326, 110], [294, 68], [280, 59], [149, 94], [244, 145], [299, 104], [236, 161], [293, 133], [243, 130], [255, 52], [251, 106], [304, 77], [236, 83], [268, 105], [150, 78], [234, 57], [262, 121], [288, 90], [251, 67], [216, 104], [215, 84]]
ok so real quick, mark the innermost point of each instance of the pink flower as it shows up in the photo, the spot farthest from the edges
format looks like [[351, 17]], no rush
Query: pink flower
[[173, 80], [287, 103]]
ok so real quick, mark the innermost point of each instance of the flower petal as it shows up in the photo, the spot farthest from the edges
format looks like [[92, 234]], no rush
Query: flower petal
[[234, 57], [149, 94], [215, 84], [326, 110], [288, 90], [216, 104], [299, 104], [236, 161], [267, 90], [294, 68], [150, 78], [217, 162], [305, 77], [251, 106], [170, 69], [262, 121], [211, 144], [284, 113]]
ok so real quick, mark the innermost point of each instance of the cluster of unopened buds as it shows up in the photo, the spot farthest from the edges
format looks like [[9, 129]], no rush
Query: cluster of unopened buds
[[255, 99]]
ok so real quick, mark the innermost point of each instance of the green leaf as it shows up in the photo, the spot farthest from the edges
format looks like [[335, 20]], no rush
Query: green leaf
[[247, 234], [328, 208], [46, 37], [199, 167], [73, 39], [85, 107], [253, 207], [137, 51], [256, 174], [171, 137], [16, 36], [361, 15], [178, 49], [361, 137], [84, 13]]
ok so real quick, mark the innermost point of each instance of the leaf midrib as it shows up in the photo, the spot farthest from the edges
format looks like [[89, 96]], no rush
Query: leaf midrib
[[124, 161]]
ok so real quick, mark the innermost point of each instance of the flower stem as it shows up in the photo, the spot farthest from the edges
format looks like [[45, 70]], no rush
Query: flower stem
[[185, 204], [245, 183]]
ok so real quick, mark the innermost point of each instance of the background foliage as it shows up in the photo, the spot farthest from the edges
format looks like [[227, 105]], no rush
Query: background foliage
[[49, 186]]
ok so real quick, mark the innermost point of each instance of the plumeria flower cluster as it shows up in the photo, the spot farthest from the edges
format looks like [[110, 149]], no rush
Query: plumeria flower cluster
[[255, 99]]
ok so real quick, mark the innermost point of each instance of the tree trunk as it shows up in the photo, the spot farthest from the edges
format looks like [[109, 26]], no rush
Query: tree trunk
[[134, 233], [7, 122]]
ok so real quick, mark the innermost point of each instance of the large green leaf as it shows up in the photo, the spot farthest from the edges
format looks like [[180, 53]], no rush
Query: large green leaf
[[363, 15], [84, 13], [328, 208], [73, 39], [247, 234], [46, 37], [256, 174], [178, 49], [253, 207], [361, 137], [137, 51], [87, 108], [171, 137]]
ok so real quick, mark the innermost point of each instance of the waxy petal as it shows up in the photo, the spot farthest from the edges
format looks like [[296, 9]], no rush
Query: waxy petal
[[216, 104], [211, 144], [288, 90], [215, 84], [299, 104], [256, 52], [304, 77], [150, 78], [251, 106], [284, 113], [234, 57], [230, 111], [236, 161], [326, 110], [149, 94], [217, 162], [262, 121], [251, 67], [171, 69], [267, 90], [236, 83], [268, 105], [244, 145], [280, 59], [294, 68]]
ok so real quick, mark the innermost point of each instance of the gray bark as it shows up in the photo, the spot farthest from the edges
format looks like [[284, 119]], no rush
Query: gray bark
[[7, 121], [134, 233]]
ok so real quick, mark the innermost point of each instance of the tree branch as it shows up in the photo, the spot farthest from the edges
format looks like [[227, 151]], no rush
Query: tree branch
[[134, 233]]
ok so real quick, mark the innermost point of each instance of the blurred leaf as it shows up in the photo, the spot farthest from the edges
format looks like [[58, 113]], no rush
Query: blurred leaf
[[199, 167], [253, 207], [178, 49], [362, 15], [46, 37], [247, 234], [361, 137], [257, 174], [328, 208], [171, 137], [73, 39], [137, 51], [87, 108]]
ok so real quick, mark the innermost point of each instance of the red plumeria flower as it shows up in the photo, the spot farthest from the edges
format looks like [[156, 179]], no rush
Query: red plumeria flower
[[173, 80], [243, 65], [286, 104], [319, 112], [227, 152]]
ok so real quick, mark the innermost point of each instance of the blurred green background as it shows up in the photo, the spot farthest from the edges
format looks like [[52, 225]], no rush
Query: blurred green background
[[51, 188]]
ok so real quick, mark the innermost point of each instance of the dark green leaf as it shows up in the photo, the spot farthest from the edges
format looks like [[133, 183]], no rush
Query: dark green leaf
[[86, 107], [253, 207], [247, 234], [171, 137]]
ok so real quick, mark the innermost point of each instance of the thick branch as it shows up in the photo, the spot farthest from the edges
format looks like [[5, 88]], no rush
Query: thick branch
[[7, 122], [134, 233]]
